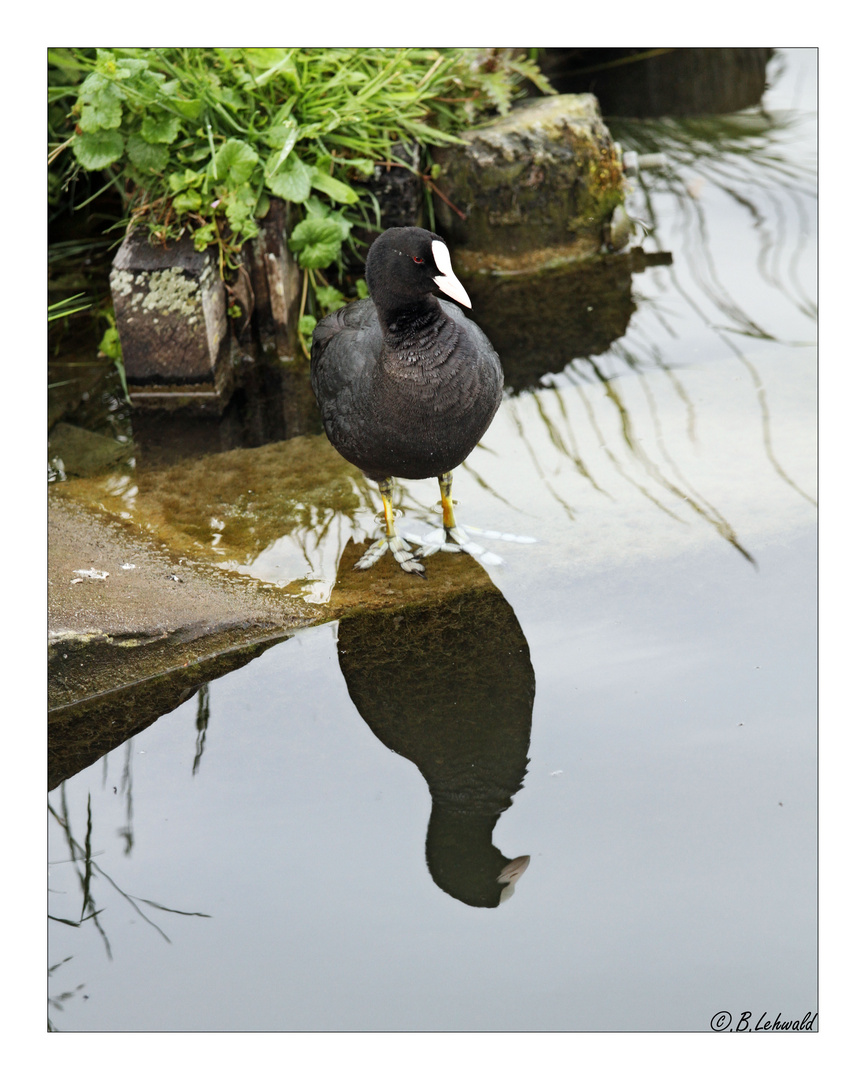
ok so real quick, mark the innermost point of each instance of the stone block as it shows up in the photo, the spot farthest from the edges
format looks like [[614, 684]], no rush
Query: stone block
[[169, 303]]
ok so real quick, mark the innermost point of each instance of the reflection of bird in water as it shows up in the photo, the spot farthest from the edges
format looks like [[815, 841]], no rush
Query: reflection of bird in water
[[406, 385], [448, 684]]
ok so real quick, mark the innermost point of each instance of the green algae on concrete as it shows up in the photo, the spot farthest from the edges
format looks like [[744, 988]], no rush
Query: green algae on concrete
[[228, 508], [547, 175]]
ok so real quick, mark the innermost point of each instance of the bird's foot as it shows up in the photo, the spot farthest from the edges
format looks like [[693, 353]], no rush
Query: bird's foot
[[456, 539], [399, 549]]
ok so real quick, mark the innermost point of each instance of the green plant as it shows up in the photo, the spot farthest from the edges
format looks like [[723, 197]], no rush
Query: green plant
[[198, 140], [69, 306]]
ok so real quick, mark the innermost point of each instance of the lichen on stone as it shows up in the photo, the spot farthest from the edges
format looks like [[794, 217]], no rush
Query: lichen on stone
[[172, 291]]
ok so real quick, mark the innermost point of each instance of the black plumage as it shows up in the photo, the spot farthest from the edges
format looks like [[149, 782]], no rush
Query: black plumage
[[406, 383]]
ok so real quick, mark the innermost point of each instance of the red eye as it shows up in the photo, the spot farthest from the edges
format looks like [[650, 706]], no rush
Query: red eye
[[417, 259]]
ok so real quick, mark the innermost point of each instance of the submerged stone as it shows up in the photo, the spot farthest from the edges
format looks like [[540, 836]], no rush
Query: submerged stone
[[74, 451]]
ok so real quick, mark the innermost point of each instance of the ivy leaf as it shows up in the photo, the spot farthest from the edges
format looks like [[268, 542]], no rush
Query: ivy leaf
[[239, 208], [235, 161], [160, 127], [110, 344], [337, 190], [145, 156], [128, 67], [97, 149], [204, 236], [317, 209], [317, 241], [186, 201], [177, 181], [291, 180], [101, 105], [105, 63]]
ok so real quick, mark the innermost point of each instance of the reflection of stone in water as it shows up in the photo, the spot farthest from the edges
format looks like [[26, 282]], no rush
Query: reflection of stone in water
[[447, 682], [540, 318]]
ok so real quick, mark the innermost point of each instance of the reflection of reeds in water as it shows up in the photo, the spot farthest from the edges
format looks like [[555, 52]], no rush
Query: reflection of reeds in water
[[666, 475], [743, 157], [88, 872], [310, 549]]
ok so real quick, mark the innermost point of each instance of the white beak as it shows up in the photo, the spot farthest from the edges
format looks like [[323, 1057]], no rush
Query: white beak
[[447, 279]]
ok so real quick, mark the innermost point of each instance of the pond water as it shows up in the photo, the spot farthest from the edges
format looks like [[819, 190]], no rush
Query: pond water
[[334, 836]]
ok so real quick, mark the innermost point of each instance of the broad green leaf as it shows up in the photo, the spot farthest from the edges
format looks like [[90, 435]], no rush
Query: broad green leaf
[[364, 166], [317, 209], [195, 154], [101, 107], [204, 236], [110, 344], [127, 67], [265, 58], [160, 127], [291, 180], [188, 109], [235, 160], [97, 149], [332, 186], [186, 201], [282, 137], [317, 241], [177, 181], [147, 157], [231, 97], [105, 62]]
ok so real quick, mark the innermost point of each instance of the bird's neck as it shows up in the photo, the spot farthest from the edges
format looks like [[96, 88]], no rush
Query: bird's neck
[[402, 323]]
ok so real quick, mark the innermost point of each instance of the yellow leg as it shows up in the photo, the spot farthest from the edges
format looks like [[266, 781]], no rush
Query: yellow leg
[[386, 490], [448, 520]]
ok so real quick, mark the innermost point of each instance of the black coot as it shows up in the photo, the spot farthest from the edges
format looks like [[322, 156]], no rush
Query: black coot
[[407, 385]]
